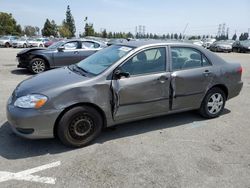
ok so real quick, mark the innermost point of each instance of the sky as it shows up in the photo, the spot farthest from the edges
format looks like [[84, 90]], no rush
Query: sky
[[158, 16]]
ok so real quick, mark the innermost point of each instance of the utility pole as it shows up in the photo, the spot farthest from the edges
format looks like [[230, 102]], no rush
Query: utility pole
[[184, 30]]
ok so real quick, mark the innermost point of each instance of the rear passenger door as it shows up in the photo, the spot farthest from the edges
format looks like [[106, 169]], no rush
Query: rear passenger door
[[87, 48], [191, 75]]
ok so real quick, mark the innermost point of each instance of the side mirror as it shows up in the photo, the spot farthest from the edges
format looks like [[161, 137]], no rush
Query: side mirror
[[61, 48], [119, 74]]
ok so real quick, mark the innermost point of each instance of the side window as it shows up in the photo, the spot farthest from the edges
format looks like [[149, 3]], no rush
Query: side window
[[186, 58], [88, 44], [71, 45], [205, 61], [148, 61]]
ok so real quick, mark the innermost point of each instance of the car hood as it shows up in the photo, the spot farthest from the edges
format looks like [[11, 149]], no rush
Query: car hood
[[3, 40], [18, 41], [225, 45], [51, 80], [246, 46], [28, 50]]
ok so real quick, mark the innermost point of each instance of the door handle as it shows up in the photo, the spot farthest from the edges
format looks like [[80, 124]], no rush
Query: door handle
[[76, 52], [162, 79], [206, 72]]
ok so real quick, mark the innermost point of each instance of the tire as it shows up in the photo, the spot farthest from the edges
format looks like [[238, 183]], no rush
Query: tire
[[24, 45], [79, 126], [7, 45], [38, 65], [41, 45], [213, 103]]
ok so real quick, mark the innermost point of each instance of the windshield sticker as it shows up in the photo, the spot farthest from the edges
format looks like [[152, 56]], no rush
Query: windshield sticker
[[125, 49]]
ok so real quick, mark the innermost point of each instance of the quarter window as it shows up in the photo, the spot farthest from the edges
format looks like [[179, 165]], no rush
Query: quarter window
[[186, 58], [148, 61]]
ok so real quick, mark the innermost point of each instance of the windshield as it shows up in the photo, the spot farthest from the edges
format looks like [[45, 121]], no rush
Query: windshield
[[5, 38], [56, 45], [246, 42], [100, 61]]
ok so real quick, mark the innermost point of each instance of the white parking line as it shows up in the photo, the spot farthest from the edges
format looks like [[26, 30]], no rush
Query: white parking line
[[26, 174]]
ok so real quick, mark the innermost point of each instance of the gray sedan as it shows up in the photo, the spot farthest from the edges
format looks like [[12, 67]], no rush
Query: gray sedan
[[122, 83], [62, 53]]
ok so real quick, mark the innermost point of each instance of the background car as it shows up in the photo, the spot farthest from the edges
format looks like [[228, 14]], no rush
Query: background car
[[6, 41], [59, 54], [39, 42], [51, 41], [208, 42], [222, 46], [20, 43], [241, 46]]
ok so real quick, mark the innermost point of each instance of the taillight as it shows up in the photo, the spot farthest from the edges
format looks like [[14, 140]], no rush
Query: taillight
[[240, 70]]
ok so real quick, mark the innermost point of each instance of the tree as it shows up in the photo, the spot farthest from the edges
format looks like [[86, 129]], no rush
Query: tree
[[175, 36], [104, 33], [29, 30], [168, 36], [89, 30], [47, 29], [64, 31], [69, 22], [234, 37], [8, 25], [243, 36], [180, 36]]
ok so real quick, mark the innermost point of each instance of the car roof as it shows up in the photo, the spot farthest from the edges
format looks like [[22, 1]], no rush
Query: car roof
[[141, 43]]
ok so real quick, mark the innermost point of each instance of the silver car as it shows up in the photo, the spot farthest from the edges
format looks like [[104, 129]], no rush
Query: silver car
[[122, 83]]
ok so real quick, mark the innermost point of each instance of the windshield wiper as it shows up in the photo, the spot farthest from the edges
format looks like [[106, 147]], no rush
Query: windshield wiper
[[82, 69], [75, 68]]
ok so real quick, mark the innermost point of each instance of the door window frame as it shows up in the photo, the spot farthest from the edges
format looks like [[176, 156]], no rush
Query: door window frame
[[195, 49], [167, 67]]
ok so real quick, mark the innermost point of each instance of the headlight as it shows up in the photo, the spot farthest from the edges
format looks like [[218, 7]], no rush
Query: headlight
[[31, 101]]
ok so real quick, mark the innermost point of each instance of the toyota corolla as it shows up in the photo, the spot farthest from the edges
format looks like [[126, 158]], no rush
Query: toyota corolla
[[122, 83]]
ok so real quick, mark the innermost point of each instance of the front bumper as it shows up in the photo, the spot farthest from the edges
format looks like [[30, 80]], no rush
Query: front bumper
[[32, 123]]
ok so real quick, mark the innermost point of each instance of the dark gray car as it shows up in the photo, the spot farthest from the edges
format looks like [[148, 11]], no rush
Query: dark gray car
[[122, 83], [62, 53]]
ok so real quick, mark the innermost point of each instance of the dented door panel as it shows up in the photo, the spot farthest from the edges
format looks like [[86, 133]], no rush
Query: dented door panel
[[141, 95], [189, 87]]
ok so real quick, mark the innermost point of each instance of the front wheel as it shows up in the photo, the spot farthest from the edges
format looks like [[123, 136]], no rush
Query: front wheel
[[213, 103], [79, 126], [37, 65]]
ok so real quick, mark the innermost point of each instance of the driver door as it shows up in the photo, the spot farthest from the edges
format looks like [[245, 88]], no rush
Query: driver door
[[146, 91]]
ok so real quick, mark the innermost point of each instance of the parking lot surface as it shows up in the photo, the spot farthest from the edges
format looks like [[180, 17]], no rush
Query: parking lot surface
[[181, 150]]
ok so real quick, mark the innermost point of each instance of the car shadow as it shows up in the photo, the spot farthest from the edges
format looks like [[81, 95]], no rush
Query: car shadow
[[14, 147], [21, 72]]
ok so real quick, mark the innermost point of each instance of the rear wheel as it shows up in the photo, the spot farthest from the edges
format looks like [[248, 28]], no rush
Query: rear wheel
[[37, 65], [79, 126], [7, 45], [25, 45], [213, 103], [40, 45]]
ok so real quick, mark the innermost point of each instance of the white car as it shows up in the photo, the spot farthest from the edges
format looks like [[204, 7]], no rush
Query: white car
[[38, 42], [20, 43], [6, 41], [208, 42], [197, 42]]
